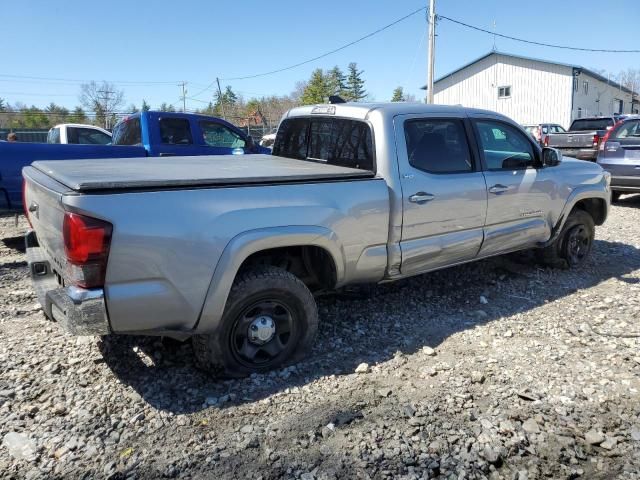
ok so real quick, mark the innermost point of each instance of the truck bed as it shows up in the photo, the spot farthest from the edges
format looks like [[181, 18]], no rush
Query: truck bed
[[176, 172]]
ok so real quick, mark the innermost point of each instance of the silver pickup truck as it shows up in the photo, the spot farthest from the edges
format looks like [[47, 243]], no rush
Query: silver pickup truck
[[229, 250], [583, 138]]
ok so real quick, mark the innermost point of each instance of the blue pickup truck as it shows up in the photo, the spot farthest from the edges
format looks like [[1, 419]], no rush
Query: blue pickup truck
[[145, 134]]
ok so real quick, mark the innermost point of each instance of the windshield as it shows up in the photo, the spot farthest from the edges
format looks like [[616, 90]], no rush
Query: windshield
[[342, 142], [586, 124]]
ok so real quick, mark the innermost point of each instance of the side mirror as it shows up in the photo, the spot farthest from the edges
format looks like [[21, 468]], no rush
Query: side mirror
[[551, 157]]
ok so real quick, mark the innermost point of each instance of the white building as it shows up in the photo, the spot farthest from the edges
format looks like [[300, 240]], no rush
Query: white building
[[530, 90]]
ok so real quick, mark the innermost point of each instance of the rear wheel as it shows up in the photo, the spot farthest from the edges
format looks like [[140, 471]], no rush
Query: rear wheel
[[270, 320], [615, 196], [573, 245]]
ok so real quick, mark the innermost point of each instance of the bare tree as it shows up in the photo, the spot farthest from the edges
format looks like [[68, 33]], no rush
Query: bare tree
[[102, 98], [630, 79]]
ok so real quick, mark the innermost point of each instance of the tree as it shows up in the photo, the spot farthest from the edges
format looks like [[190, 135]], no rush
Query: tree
[[3, 105], [355, 83], [398, 95], [78, 116], [132, 108], [145, 106], [317, 89], [104, 99], [630, 79], [165, 107], [336, 81]]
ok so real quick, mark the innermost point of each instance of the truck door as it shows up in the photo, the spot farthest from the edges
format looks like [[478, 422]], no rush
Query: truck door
[[444, 192], [519, 193]]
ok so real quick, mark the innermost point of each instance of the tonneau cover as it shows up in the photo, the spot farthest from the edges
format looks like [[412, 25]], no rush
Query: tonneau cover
[[166, 172]]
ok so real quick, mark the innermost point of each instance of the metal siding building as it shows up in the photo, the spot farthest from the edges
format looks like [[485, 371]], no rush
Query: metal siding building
[[532, 91]]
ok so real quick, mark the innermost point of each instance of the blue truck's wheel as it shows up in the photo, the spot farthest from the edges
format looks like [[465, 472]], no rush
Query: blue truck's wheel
[[270, 320]]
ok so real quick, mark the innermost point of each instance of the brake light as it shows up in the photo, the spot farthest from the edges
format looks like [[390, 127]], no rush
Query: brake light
[[86, 244], [24, 201], [596, 140], [608, 134], [546, 141]]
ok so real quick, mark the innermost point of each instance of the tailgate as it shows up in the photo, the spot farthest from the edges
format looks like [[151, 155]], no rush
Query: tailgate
[[571, 140], [621, 157], [42, 198]]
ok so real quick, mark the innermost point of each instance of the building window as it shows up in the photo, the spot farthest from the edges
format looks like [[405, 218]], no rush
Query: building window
[[575, 84], [504, 92], [579, 112], [585, 87]]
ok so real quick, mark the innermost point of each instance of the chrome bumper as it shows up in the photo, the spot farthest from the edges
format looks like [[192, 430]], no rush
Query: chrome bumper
[[79, 311]]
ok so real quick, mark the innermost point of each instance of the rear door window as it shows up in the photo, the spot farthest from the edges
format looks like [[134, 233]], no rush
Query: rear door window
[[127, 132], [438, 146], [175, 131], [342, 142]]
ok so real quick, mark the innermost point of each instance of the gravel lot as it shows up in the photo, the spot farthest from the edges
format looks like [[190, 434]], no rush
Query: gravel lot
[[497, 369]]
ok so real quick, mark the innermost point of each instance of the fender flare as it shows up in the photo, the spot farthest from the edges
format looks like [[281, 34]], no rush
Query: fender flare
[[247, 243], [583, 192]]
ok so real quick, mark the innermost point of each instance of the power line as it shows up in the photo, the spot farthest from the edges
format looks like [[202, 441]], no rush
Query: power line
[[565, 47], [71, 80]]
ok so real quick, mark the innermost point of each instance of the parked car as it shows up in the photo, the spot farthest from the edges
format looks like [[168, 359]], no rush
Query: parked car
[[146, 134], [619, 154], [541, 131], [76, 133], [229, 252], [583, 138]]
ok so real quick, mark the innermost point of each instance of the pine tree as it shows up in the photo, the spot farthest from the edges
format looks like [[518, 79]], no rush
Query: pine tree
[[145, 106], [78, 116], [355, 83], [317, 89], [398, 95], [336, 81]]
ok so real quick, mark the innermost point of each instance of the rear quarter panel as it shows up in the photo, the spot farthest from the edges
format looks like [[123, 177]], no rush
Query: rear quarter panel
[[166, 244]]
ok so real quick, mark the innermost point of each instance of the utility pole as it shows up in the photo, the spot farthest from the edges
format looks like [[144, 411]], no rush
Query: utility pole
[[184, 97], [105, 97], [432, 46], [220, 98]]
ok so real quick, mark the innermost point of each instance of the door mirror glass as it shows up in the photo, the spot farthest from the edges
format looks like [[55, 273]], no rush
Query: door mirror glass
[[551, 157]]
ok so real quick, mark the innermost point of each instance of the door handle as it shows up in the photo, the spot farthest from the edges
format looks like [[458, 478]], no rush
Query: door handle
[[421, 197], [498, 189]]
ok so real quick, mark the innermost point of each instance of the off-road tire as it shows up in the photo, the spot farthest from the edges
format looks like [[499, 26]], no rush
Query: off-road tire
[[215, 353], [557, 254]]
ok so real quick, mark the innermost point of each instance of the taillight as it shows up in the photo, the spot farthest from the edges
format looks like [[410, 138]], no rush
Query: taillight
[[608, 134], [596, 140], [24, 201], [546, 141], [86, 244]]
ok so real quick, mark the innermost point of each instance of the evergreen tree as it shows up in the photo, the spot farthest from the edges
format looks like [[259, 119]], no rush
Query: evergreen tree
[[355, 84], [78, 116], [132, 108], [317, 89], [145, 106], [398, 95], [336, 81], [164, 107], [3, 105]]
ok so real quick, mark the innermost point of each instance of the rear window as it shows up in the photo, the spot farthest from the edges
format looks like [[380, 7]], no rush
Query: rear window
[[53, 136], [628, 129], [591, 124], [342, 142], [127, 132]]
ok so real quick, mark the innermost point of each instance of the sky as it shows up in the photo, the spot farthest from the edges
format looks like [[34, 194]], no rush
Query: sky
[[148, 47]]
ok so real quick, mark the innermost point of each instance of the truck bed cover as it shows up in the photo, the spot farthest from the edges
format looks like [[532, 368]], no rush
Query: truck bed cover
[[175, 172]]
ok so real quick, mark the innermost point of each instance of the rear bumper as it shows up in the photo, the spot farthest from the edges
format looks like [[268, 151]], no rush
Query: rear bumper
[[79, 311], [625, 184]]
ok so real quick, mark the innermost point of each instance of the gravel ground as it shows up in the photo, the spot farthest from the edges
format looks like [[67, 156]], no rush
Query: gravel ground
[[497, 369]]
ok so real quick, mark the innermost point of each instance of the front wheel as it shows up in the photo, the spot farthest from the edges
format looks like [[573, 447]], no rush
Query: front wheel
[[270, 319], [573, 245]]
